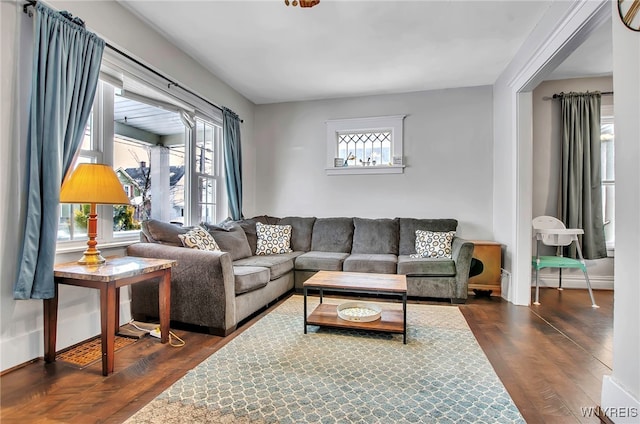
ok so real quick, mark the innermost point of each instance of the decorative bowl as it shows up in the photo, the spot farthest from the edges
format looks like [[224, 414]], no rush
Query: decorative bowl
[[359, 311]]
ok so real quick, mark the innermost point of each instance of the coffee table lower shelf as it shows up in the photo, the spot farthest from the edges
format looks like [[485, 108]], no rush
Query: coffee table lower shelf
[[391, 321]]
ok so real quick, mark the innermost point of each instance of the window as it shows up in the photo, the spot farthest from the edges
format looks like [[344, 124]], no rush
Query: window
[[365, 148], [72, 222], [365, 145], [207, 142], [165, 151], [607, 142]]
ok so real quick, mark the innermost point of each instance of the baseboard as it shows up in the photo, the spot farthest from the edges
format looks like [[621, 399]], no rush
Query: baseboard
[[73, 328], [604, 282], [618, 405]]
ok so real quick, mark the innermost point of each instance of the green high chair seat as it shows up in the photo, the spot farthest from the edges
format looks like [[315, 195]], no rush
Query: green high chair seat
[[540, 262]]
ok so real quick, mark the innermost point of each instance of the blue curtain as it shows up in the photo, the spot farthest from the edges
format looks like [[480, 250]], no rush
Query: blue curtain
[[232, 162], [66, 65]]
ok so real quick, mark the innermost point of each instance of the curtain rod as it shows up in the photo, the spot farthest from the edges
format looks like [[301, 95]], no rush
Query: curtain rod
[[559, 96], [31, 3], [170, 81]]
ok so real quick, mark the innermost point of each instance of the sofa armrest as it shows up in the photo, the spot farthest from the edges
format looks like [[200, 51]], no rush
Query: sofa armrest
[[462, 251], [202, 286]]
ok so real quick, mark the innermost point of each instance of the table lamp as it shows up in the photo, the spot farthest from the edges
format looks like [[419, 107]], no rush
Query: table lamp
[[92, 183]]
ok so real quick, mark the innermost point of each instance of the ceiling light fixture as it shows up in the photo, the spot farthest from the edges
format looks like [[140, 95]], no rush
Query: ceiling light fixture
[[303, 3]]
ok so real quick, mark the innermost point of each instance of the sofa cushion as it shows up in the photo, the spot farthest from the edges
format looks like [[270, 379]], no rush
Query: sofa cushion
[[441, 267], [249, 278], [163, 232], [321, 261], [266, 219], [198, 238], [371, 262], [249, 227], [332, 235], [273, 239], [433, 244], [231, 238], [278, 264], [301, 229], [408, 227], [375, 236]]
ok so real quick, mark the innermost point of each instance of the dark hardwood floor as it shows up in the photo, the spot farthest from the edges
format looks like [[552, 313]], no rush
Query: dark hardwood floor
[[551, 358]]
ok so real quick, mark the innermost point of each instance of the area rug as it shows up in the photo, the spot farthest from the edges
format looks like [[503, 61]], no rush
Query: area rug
[[273, 373]]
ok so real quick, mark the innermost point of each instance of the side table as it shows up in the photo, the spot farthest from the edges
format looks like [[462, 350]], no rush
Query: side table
[[116, 272], [490, 254]]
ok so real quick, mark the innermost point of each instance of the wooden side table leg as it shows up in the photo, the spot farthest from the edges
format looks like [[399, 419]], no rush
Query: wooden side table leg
[[164, 294], [107, 323], [116, 321], [50, 310], [404, 317]]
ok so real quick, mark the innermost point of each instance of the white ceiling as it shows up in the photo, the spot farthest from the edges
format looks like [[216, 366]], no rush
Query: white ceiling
[[272, 53]]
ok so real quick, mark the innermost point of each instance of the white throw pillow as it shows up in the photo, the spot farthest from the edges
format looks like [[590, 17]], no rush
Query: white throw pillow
[[432, 244], [198, 238], [273, 239]]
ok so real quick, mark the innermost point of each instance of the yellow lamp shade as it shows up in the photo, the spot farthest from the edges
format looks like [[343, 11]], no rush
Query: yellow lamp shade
[[93, 183]]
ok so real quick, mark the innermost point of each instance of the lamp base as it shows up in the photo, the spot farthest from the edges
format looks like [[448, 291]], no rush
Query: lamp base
[[92, 255], [91, 258]]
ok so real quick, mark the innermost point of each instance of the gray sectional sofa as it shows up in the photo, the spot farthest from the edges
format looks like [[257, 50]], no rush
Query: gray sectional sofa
[[218, 289]]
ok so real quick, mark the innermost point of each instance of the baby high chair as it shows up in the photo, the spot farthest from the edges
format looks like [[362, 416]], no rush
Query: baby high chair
[[552, 232]]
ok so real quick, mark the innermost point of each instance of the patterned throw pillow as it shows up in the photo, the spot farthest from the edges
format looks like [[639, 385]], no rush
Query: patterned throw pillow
[[198, 238], [273, 239], [431, 244]]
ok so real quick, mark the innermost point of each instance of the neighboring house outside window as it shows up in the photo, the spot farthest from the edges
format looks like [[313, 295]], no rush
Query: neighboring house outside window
[[123, 131]]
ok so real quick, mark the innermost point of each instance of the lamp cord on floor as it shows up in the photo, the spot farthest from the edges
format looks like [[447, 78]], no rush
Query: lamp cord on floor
[[172, 335]]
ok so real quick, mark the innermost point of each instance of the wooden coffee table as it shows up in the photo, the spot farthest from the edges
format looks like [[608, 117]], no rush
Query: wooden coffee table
[[391, 321]]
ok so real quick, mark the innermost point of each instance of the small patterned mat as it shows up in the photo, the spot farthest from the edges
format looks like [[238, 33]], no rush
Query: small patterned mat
[[90, 351]]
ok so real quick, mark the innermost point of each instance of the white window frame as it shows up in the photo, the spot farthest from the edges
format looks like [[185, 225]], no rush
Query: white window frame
[[393, 123], [116, 73], [102, 152], [191, 195], [607, 117]]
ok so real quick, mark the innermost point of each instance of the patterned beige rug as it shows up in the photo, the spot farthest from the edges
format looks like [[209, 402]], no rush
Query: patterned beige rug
[[273, 373]]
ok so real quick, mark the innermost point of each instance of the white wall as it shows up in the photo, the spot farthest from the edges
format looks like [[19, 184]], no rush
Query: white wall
[[547, 131], [447, 149], [21, 337], [622, 388]]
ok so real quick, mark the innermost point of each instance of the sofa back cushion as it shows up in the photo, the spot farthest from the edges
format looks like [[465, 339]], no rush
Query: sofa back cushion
[[332, 235], [301, 230], [163, 232], [375, 236], [267, 219], [230, 238], [408, 227], [249, 227]]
